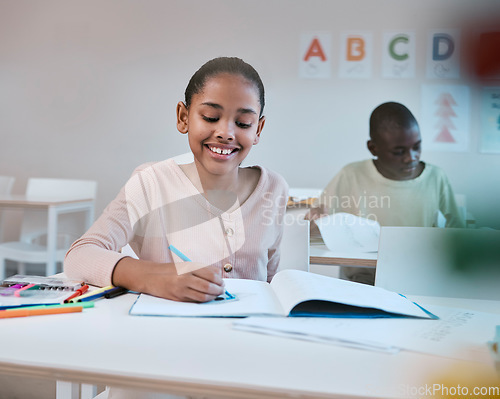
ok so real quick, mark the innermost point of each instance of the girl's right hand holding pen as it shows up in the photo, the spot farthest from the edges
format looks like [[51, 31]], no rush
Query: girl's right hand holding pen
[[201, 284]]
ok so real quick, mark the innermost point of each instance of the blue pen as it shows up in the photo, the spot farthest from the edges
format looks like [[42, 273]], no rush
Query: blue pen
[[179, 253], [186, 259]]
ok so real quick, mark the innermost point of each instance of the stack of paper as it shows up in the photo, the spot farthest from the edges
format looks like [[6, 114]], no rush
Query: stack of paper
[[349, 233], [460, 334]]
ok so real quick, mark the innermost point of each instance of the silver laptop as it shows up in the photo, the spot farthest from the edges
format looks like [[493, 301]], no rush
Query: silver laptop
[[457, 263]]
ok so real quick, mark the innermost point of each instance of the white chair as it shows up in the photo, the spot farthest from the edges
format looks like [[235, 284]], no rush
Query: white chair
[[423, 261], [295, 244], [6, 183], [31, 248]]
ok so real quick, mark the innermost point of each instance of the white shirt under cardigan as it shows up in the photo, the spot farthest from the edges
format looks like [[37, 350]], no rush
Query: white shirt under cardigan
[[360, 189], [159, 206]]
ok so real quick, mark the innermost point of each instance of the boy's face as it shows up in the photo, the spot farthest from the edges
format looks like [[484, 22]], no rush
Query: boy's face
[[398, 153]]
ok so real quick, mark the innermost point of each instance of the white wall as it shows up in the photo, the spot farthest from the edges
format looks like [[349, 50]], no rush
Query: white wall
[[88, 88]]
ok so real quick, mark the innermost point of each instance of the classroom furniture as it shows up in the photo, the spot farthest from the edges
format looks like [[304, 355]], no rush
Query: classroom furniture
[[321, 259], [41, 239], [423, 261], [183, 356], [6, 183], [294, 246], [321, 255]]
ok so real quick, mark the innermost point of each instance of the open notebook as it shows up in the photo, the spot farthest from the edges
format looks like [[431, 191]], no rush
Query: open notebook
[[291, 293]]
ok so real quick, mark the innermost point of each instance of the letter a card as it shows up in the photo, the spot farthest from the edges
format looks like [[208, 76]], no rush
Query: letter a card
[[315, 55]]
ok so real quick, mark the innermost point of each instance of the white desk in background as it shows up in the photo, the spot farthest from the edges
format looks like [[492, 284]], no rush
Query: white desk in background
[[321, 255], [54, 207], [205, 357]]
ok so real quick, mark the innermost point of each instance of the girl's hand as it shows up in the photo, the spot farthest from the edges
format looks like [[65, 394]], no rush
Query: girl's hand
[[201, 284]]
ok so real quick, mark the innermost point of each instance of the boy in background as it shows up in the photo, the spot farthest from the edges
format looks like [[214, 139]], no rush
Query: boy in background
[[395, 188]]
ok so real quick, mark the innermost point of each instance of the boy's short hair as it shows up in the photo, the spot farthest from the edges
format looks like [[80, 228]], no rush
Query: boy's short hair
[[390, 115]]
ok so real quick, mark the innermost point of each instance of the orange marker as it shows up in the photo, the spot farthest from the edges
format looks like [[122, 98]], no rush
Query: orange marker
[[6, 314]]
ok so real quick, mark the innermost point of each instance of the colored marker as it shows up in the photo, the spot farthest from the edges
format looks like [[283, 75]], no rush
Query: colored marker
[[29, 291], [91, 293], [186, 259], [7, 314], [11, 289], [117, 291], [78, 292], [84, 305], [96, 295], [26, 287]]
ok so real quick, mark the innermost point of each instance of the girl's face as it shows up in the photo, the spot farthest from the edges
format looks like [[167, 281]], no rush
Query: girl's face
[[222, 123]]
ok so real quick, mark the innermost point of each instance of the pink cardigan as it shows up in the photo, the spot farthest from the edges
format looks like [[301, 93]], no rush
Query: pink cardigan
[[159, 206]]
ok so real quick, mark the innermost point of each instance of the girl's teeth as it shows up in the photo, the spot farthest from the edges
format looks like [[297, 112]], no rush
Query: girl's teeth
[[220, 151]]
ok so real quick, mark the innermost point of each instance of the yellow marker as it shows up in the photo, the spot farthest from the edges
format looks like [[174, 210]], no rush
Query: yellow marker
[[89, 293]]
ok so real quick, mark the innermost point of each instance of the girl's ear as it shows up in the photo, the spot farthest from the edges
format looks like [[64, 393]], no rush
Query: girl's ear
[[372, 148], [260, 126], [182, 117]]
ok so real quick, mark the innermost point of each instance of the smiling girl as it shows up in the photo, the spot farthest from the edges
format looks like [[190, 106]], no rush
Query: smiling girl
[[211, 209]]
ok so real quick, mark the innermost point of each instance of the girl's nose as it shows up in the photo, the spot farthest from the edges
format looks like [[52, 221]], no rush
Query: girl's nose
[[225, 132]]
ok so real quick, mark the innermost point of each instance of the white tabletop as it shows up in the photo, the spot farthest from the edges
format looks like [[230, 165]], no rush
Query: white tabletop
[[14, 200], [105, 345]]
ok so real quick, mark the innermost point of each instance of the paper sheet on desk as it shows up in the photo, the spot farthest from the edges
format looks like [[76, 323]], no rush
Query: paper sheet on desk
[[459, 334], [346, 232], [310, 329]]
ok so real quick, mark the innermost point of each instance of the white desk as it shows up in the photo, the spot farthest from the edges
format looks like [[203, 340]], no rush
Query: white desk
[[321, 255], [54, 207], [207, 357]]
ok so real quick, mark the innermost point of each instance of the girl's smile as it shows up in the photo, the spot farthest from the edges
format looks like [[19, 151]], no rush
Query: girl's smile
[[221, 152]]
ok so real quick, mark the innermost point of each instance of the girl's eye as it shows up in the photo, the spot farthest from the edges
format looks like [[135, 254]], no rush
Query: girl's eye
[[243, 125], [209, 119], [398, 153]]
